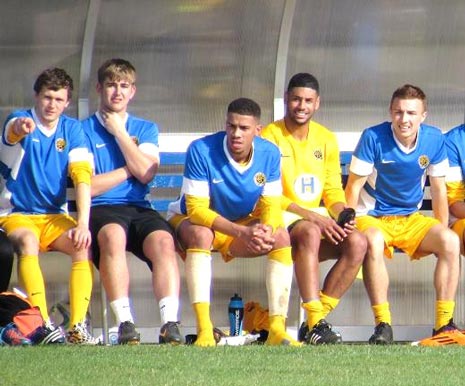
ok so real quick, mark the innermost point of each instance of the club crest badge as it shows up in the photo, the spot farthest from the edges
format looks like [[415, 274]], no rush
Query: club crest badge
[[60, 144], [423, 161], [259, 179]]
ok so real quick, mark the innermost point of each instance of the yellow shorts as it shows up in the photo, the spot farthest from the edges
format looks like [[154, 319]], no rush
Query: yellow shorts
[[221, 242], [459, 227], [46, 227], [290, 218], [403, 232]]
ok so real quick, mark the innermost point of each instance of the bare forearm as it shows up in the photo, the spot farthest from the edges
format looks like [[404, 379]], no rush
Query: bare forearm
[[439, 199], [302, 212], [140, 165], [83, 203], [336, 208], [353, 188], [440, 211], [227, 227], [101, 183]]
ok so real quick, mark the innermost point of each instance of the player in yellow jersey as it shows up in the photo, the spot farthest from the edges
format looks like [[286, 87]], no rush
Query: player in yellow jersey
[[310, 173]]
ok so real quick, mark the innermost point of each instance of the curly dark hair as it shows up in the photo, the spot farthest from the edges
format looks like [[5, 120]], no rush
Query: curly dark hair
[[54, 79]]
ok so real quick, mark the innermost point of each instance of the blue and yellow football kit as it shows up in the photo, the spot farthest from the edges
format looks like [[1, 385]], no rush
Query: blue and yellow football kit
[[34, 196], [455, 179], [396, 181], [224, 187], [35, 169]]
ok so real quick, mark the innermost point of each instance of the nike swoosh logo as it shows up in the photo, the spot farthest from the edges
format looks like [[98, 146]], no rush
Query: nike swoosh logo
[[100, 145], [35, 140], [217, 180], [387, 161]]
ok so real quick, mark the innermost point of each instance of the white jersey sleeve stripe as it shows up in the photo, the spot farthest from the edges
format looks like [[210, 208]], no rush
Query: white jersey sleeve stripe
[[360, 167], [150, 149], [273, 188], [440, 169], [78, 154], [195, 188]]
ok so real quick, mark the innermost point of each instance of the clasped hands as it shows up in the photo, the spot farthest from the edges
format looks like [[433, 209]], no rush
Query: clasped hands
[[259, 238]]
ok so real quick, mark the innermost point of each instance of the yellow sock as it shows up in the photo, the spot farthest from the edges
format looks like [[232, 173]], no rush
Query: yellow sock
[[329, 303], [444, 313], [31, 276], [205, 336], [80, 290], [315, 312], [277, 335], [382, 313]]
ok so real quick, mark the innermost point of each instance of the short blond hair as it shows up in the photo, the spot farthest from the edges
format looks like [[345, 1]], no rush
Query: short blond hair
[[116, 69]]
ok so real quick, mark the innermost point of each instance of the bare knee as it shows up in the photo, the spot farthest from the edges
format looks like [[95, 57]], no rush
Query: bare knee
[[112, 243], [159, 244], [195, 236], [305, 235], [355, 247], [375, 244], [25, 242], [449, 245]]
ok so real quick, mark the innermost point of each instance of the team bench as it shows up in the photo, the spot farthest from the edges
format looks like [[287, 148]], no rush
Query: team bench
[[404, 279], [166, 186]]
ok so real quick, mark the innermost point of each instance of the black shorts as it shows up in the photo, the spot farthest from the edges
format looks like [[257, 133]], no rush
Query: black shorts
[[137, 222]]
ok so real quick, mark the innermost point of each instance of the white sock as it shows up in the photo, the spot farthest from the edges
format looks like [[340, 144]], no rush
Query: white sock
[[198, 270], [278, 285], [122, 310], [169, 306]]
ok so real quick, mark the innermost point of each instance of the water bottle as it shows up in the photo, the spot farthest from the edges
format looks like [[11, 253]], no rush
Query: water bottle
[[236, 315], [113, 335]]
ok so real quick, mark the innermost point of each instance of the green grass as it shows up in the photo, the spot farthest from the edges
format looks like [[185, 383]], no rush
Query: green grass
[[247, 365]]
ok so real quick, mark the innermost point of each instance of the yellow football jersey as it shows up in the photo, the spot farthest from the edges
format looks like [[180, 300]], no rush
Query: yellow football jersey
[[310, 169]]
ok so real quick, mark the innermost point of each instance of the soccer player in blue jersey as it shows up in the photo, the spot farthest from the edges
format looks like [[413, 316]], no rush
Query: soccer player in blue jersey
[[41, 147], [126, 158], [455, 181], [386, 184], [231, 202]]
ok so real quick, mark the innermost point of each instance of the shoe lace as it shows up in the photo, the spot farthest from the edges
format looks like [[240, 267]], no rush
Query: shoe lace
[[323, 325], [323, 328], [81, 330]]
